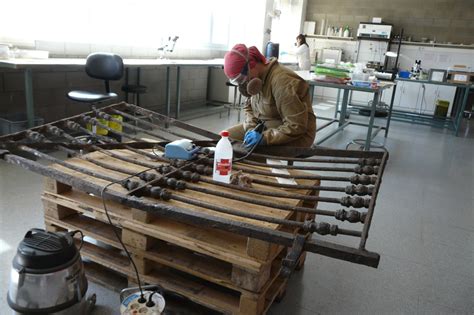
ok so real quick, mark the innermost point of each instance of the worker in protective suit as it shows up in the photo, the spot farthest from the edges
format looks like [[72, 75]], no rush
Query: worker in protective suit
[[276, 95]]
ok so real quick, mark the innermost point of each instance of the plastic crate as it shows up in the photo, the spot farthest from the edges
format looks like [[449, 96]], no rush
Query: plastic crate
[[11, 123]]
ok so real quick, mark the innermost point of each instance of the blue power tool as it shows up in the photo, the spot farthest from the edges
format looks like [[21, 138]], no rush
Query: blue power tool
[[183, 149]]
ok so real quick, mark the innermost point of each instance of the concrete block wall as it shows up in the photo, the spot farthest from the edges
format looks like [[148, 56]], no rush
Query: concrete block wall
[[442, 20], [51, 86]]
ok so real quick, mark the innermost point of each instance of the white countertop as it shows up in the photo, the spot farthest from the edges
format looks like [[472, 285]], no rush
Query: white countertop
[[80, 62]]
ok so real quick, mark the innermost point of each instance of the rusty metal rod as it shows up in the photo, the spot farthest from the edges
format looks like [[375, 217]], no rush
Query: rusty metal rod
[[198, 219], [174, 122], [75, 126], [356, 202], [106, 116], [352, 216], [360, 190], [368, 170], [59, 132], [355, 179], [344, 201], [141, 152], [339, 214], [151, 125], [359, 161], [66, 164], [95, 121], [322, 228]]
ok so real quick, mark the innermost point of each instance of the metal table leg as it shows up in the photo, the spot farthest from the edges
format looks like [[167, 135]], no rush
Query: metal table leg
[[457, 124], [178, 91], [337, 102], [30, 105], [371, 121], [137, 95], [168, 92], [389, 116], [345, 98]]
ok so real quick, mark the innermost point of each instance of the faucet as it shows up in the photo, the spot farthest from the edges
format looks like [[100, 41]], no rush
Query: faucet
[[168, 47]]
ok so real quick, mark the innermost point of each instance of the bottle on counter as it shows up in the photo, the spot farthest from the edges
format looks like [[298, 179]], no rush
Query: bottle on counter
[[223, 159], [329, 31], [346, 31]]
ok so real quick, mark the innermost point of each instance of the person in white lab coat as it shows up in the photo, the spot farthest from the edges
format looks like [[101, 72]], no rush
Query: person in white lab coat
[[302, 53]]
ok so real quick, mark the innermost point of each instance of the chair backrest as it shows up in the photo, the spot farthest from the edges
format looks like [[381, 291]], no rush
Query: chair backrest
[[104, 66]]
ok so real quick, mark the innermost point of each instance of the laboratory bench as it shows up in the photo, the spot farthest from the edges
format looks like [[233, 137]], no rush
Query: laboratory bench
[[28, 65], [342, 121]]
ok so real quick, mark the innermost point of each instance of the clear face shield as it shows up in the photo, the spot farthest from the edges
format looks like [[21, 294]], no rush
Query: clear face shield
[[242, 76]]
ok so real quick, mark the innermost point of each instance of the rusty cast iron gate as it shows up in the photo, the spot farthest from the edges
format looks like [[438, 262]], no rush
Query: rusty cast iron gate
[[351, 178]]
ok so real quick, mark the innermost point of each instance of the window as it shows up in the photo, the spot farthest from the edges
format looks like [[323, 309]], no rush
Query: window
[[199, 24]]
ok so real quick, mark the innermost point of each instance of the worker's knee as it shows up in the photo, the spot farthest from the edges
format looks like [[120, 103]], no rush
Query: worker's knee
[[237, 132]]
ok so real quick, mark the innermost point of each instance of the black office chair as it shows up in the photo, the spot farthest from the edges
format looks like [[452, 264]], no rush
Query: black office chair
[[102, 66]]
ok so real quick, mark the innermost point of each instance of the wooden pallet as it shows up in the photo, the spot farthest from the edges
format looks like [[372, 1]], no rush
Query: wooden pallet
[[222, 249], [203, 280], [221, 270]]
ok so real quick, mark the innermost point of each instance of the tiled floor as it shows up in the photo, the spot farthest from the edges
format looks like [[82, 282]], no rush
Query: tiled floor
[[423, 229]]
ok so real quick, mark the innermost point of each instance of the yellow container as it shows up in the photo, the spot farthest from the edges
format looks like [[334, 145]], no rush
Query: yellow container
[[115, 125], [99, 130], [441, 109]]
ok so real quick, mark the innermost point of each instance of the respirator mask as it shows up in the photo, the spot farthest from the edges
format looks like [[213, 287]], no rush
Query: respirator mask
[[247, 87]]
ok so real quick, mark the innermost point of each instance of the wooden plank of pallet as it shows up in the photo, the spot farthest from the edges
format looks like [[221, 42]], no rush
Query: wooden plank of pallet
[[114, 281], [223, 245], [214, 297], [242, 206], [249, 302], [205, 267], [193, 289]]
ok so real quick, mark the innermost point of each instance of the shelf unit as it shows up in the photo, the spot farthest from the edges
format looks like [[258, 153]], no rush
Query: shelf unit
[[435, 44], [331, 37]]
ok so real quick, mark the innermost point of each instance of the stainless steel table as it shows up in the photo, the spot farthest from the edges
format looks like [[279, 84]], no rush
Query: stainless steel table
[[342, 121]]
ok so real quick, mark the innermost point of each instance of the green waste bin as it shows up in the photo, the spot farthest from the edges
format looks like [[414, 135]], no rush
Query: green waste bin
[[441, 109]]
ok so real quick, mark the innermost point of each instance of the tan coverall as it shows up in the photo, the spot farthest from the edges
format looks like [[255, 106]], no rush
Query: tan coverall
[[285, 106]]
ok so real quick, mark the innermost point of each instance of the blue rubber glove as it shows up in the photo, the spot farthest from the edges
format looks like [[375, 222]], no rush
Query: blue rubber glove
[[251, 138]]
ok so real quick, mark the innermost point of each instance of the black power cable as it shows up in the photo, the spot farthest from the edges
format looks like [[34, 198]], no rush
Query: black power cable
[[114, 228], [259, 128]]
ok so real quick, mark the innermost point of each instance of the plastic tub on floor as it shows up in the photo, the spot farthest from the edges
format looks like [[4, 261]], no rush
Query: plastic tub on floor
[[11, 123]]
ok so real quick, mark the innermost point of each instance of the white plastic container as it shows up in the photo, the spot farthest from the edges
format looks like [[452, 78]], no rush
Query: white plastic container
[[223, 159]]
